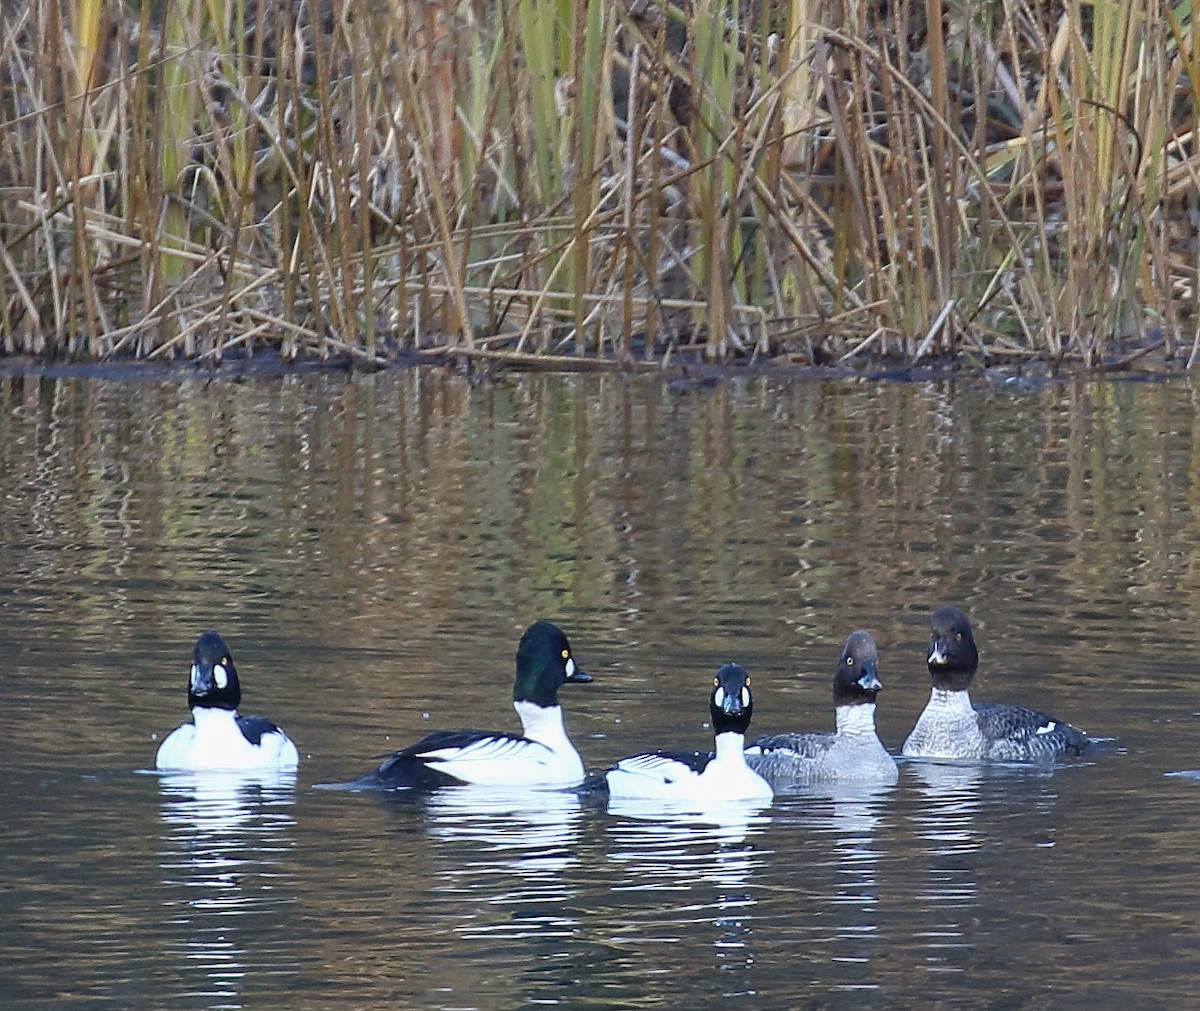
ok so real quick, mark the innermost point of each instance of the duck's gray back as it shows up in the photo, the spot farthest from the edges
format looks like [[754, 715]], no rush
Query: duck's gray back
[[1017, 734]]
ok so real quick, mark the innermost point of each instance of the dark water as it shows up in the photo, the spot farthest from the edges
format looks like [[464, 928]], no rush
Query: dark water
[[372, 547]]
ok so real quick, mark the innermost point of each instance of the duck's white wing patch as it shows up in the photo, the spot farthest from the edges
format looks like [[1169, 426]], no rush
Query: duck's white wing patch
[[662, 776], [490, 749], [646, 772], [659, 768], [500, 761], [794, 746]]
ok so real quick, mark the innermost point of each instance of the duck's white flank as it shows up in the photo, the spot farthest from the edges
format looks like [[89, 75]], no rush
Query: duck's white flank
[[725, 777], [546, 758]]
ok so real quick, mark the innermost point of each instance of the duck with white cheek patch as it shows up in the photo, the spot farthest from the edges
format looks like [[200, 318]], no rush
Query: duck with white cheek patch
[[702, 776], [218, 739], [542, 757]]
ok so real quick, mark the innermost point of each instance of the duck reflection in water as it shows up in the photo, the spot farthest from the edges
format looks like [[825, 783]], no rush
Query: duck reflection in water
[[508, 829], [503, 859], [498, 877], [948, 803], [226, 837], [687, 864], [850, 813], [838, 827]]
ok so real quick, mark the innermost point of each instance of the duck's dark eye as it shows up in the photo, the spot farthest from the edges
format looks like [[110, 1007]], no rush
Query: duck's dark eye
[[958, 636], [849, 661], [747, 680], [566, 654], [716, 682]]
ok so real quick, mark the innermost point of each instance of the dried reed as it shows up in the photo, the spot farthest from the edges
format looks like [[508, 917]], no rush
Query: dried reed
[[718, 178]]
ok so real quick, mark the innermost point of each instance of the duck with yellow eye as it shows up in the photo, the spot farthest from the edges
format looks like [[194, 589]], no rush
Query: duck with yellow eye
[[542, 757], [218, 739], [689, 776], [951, 726], [853, 752]]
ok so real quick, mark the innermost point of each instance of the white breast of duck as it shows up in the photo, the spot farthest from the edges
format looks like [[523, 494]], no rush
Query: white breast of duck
[[700, 776], [215, 740]]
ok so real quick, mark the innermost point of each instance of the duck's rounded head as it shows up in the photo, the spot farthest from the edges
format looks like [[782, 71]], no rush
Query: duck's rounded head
[[857, 678], [213, 682], [731, 703], [953, 658], [544, 663]]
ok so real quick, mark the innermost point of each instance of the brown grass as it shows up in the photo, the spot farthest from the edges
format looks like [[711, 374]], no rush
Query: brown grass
[[818, 183]]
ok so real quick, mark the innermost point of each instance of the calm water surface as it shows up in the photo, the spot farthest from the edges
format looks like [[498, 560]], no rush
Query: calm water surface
[[372, 547]]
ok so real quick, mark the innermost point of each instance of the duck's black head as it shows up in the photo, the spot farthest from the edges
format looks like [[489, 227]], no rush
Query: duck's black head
[[544, 663], [213, 682], [953, 658], [731, 704], [857, 678]]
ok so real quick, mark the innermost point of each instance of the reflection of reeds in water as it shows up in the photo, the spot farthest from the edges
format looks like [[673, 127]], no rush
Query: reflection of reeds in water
[[412, 503], [533, 176]]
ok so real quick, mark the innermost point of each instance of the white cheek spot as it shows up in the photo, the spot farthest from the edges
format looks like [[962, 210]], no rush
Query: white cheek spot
[[195, 676], [719, 696], [570, 667], [220, 675], [745, 697], [1048, 728]]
